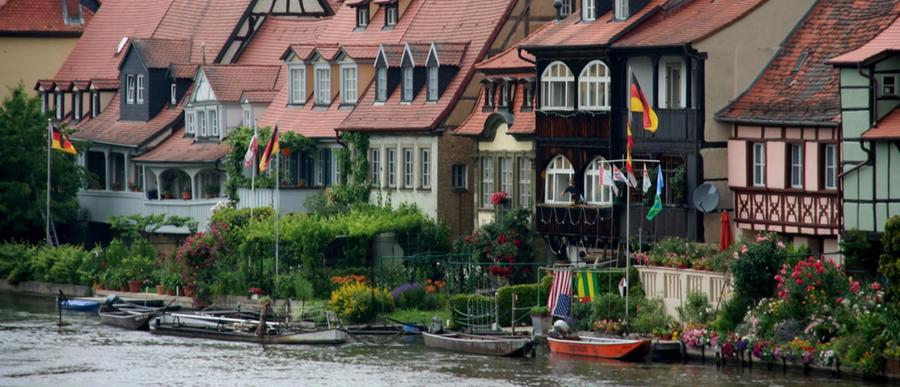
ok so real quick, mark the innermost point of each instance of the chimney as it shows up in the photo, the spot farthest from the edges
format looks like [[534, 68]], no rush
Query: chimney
[[557, 4]]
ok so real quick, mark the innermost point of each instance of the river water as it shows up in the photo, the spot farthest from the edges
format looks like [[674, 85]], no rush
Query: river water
[[35, 352]]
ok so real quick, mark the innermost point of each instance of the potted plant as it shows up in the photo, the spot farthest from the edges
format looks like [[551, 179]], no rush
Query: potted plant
[[212, 191], [185, 183], [540, 319], [167, 195], [159, 275], [138, 269], [134, 187], [116, 186], [172, 283]]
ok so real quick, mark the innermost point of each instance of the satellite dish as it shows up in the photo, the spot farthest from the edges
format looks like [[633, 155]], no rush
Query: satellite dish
[[706, 197]]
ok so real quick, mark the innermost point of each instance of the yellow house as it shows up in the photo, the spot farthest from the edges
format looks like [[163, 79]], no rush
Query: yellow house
[[36, 37]]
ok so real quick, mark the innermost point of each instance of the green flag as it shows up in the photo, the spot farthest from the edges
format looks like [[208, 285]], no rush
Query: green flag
[[657, 203]]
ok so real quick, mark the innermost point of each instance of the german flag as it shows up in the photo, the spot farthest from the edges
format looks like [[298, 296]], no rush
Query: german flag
[[639, 104], [61, 143], [272, 148]]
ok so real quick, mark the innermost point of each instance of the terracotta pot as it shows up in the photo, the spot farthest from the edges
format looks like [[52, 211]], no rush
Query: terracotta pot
[[160, 290], [123, 288], [186, 195], [135, 286]]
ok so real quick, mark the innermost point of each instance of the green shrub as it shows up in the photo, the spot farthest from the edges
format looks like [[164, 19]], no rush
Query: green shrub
[[582, 313], [651, 318], [889, 264], [59, 265], [293, 286], [357, 302], [527, 298], [419, 299], [467, 310], [15, 261], [732, 314], [754, 272], [696, 309], [138, 267]]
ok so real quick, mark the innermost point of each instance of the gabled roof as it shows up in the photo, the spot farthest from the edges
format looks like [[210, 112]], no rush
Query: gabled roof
[[104, 84], [207, 23], [688, 21], [417, 53], [888, 128], [43, 18], [161, 53], [448, 54], [390, 54], [799, 87], [519, 122], [269, 43], [507, 60], [183, 71], [230, 81], [181, 149], [106, 128], [572, 32], [885, 42]]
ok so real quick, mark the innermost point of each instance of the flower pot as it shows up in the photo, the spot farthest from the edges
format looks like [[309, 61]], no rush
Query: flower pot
[[541, 323], [160, 290], [186, 195], [135, 286]]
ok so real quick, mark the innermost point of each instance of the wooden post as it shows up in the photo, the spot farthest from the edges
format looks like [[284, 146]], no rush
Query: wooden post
[[512, 318]]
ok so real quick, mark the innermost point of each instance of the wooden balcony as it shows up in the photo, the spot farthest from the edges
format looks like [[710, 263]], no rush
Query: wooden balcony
[[565, 220], [788, 211], [676, 125], [673, 221]]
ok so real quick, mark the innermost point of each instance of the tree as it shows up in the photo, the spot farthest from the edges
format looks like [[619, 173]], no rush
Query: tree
[[23, 171], [889, 266]]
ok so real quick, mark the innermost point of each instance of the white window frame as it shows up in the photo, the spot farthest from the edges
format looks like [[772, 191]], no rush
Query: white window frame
[[129, 89], [391, 167], [558, 170], [506, 174], [595, 193], [458, 185], [335, 168], [504, 94], [381, 84], [362, 16], [433, 79], [758, 169], [323, 84], [425, 167], [190, 122], [297, 83], [621, 9], [95, 104], [557, 86], [212, 118], [201, 123], [593, 87], [248, 116], [674, 88], [349, 83], [391, 15], [60, 105], [173, 94], [830, 178], [408, 80], [886, 81], [409, 166], [566, 8], [526, 174], [796, 163], [589, 10], [487, 181], [140, 89], [76, 105], [375, 163]]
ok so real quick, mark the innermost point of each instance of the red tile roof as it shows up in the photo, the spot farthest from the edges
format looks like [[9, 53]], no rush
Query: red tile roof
[[473, 21], [276, 34], [799, 86], [106, 128], [178, 148], [886, 41], [418, 52], [310, 121], [41, 17], [689, 21], [571, 31], [105, 84], [161, 53], [888, 128], [183, 71], [392, 53], [258, 96], [522, 122], [450, 54], [230, 81], [205, 22], [507, 60]]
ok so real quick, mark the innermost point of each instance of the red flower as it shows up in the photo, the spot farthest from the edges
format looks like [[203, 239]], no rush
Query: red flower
[[854, 287], [875, 286]]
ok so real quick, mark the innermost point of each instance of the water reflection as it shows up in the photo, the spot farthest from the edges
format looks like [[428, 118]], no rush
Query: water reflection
[[37, 352]]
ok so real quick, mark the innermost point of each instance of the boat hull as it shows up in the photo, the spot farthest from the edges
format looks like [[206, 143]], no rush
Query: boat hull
[[206, 330], [602, 348], [80, 305], [127, 321], [480, 345]]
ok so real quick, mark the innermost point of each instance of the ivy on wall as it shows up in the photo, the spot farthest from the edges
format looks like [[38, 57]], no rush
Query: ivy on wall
[[239, 140], [354, 166]]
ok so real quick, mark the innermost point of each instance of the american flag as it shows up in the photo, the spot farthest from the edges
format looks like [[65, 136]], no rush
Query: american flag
[[560, 299]]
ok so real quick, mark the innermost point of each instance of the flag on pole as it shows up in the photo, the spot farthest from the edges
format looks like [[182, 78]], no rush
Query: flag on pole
[[657, 203], [586, 285], [639, 104], [560, 299], [617, 175], [607, 180], [629, 167], [61, 143], [251, 151], [272, 149], [646, 180]]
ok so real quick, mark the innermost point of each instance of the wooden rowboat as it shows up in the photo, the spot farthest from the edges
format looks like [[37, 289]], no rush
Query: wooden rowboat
[[619, 349], [481, 345], [134, 319], [231, 329]]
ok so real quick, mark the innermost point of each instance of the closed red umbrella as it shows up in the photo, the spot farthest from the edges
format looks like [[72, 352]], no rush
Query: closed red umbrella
[[725, 237]]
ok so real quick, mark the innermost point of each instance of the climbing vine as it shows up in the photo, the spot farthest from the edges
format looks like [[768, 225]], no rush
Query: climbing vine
[[354, 166], [239, 140]]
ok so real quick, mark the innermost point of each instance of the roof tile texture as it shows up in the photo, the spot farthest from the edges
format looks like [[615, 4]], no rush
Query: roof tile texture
[[39, 16], [889, 39], [691, 21], [178, 148], [160, 53], [230, 81], [107, 128], [523, 122], [571, 31]]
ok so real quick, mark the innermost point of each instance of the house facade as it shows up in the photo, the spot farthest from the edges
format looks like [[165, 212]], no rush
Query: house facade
[[871, 130], [788, 147], [584, 67]]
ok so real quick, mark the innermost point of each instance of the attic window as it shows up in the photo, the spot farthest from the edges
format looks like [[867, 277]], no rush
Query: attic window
[[527, 95], [362, 17], [407, 84], [173, 94], [391, 15], [589, 10], [800, 61], [566, 8], [323, 84], [621, 9], [121, 45], [504, 94], [433, 83], [381, 84]]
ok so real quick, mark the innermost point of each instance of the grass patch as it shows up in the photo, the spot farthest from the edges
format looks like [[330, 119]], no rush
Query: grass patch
[[417, 316]]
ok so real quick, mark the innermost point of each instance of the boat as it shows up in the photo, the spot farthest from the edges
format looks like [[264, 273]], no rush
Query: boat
[[619, 349], [134, 319], [482, 345], [238, 329], [80, 305]]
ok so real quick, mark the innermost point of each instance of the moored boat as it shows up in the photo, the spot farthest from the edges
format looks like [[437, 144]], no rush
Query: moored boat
[[619, 349], [481, 345], [80, 305], [134, 319], [235, 329]]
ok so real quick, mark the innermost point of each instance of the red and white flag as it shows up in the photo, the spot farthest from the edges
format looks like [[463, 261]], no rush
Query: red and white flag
[[560, 300], [607, 180], [617, 175], [250, 156]]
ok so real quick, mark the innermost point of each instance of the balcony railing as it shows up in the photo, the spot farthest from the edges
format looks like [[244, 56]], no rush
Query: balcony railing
[[100, 205], [290, 199], [802, 212], [588, 221], [675, 125]]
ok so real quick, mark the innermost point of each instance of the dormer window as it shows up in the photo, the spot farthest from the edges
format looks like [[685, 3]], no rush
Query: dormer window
[[433, 83], [201, 122], [297, 83], [888, 84], [323, 84], [489, 95], [129, 89], [60, 106], [349, 83], [173, 94], [248, 116], [213, 115], [504, 94], [95, 104], [391, 15], [527, 95], [381, 84], [589, 10], [362, 16], [566, 8], [140, 89], [76, 105], [191, 125], [407, 84], [621, 8]]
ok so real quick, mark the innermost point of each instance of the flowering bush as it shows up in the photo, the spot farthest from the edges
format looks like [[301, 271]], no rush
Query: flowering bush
[[503, 243], [199, 252], [612, 327], [358, 302], [346, 279], [682, 254], [499, 197], [434, 286], [811, 287], [696, 337]]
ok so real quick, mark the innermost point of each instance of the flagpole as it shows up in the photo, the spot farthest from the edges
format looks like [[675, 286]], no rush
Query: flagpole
[[627, 247], [277, 194], [49, 146], [253, 174]]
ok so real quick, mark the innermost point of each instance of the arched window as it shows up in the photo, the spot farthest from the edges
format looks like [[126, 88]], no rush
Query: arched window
[[594, 192], [593, 87], [557, 176], [557, 85]]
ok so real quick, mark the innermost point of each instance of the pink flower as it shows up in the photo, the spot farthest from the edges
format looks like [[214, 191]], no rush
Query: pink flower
[[839, 300], [875, 286], [780, 245], [854, 287], [744, 249]]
